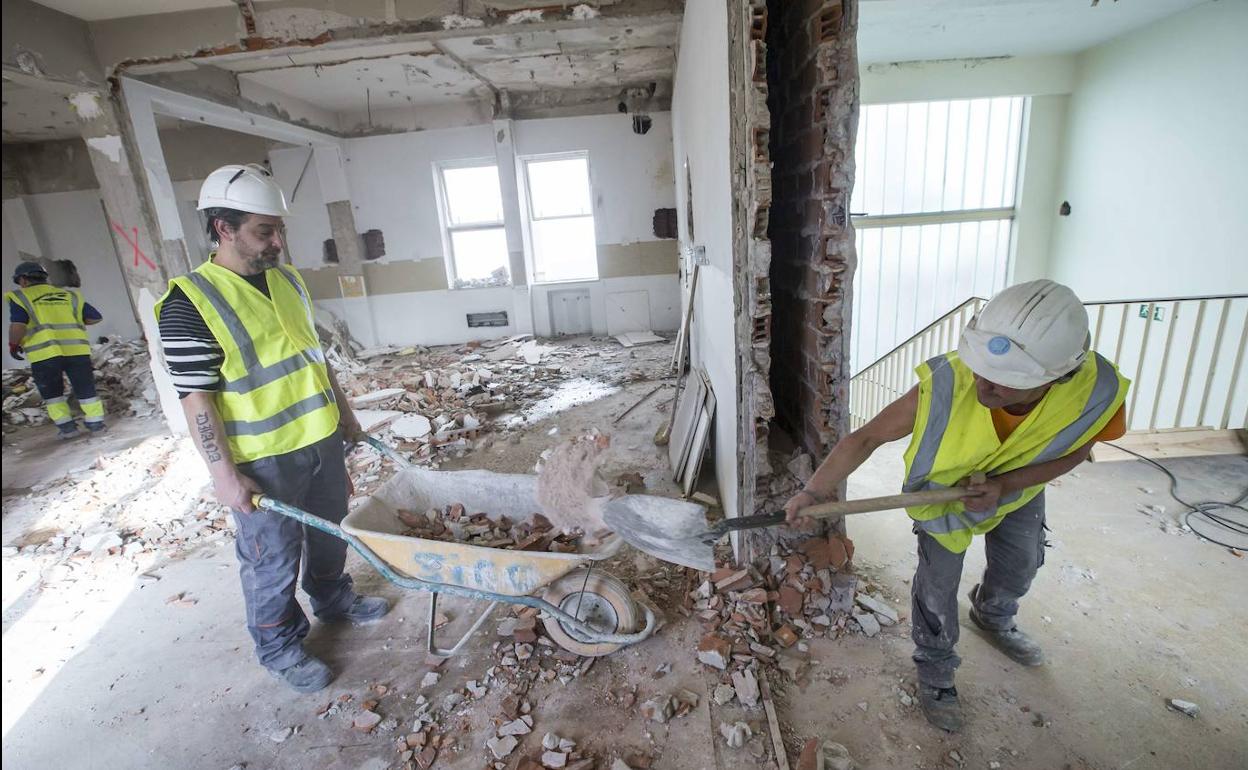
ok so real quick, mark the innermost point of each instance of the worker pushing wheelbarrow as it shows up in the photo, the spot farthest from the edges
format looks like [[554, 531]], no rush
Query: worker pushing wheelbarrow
[[587, 611]]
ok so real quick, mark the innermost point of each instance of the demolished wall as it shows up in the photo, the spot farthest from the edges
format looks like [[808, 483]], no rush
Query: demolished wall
[[813, 94]]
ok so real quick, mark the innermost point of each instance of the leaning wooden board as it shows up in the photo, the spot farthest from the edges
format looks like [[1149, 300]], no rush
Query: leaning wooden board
[[688, 408]]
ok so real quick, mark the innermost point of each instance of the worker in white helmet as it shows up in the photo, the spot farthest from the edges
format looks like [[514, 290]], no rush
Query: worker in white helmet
[[1022, 400], [268, 417]]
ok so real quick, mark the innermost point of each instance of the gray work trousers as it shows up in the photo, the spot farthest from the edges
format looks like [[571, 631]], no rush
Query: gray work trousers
[[1015, 550], [270, 547]]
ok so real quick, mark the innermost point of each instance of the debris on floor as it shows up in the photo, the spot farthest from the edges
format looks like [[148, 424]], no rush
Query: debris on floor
[[1183, 707], [123, 379]]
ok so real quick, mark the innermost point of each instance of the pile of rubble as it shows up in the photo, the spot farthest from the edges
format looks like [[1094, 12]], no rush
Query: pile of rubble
[[123, 379], [802, 590], [453, 524]]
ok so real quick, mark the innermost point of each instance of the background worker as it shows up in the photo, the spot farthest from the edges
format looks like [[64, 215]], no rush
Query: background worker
[[267, 415], [1022, 401], [48, 327]]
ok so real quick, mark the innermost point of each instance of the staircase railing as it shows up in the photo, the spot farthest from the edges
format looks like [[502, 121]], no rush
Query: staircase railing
[[1185, 357]]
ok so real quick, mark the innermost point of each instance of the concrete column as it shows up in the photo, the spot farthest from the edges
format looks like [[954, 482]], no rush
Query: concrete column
[[351, 280], [509, 186], [147, 261], [22, 228]]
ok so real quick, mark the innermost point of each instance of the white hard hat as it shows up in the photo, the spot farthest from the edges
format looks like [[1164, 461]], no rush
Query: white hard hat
[[1027, 336], [249, 188]]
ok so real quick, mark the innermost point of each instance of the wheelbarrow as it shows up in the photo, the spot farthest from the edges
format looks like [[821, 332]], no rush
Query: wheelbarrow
[[586, 610]]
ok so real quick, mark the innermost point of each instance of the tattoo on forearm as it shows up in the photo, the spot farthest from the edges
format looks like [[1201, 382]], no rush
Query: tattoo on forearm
[[207, 437]]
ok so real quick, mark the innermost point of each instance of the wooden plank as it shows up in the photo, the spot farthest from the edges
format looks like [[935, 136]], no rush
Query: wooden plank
[[1176, 442]]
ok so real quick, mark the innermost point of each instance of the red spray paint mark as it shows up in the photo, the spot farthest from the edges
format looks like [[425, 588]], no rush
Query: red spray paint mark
[[138, 253]]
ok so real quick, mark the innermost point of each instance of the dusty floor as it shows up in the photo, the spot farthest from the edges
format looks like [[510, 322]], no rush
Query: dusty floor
[[100, 668]]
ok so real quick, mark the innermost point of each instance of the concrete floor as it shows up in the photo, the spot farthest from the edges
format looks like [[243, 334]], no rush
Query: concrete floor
[[100, 670]]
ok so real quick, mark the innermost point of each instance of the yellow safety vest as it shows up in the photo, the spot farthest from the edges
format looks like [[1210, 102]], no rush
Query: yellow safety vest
[[56, 326], [275, 395], [954, 437]]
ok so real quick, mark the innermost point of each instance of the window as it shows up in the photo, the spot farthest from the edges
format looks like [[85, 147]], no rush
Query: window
[[472, 221], [561, 218], [933, 207]]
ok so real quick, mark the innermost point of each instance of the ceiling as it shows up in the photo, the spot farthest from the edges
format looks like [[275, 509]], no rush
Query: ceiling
[[32, 114], [98, 10], [917, 30], [467, 68]]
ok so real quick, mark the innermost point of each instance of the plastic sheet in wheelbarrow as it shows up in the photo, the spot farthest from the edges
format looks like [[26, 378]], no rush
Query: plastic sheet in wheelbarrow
[[506, 572]]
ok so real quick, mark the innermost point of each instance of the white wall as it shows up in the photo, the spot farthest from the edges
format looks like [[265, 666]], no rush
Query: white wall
[[307, 227], [921, 81], [1155, 162], [71, 226], [631, 174], [391, 179], [700, 132]]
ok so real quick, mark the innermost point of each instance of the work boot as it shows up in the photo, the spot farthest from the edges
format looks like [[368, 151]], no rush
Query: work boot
[[941, 707], [1019, 647], [308, 675], [365, 609], [67, 430], [96, 427]]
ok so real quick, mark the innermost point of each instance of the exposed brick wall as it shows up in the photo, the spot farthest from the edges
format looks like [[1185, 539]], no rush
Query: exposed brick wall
[[751, 184], [812, 83]]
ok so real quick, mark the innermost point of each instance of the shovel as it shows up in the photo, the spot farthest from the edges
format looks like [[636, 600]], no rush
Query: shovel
[[677, 532]]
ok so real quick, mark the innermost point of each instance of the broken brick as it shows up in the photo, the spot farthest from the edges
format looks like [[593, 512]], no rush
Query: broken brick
[[785, 636], [790, 600], [715, 651]]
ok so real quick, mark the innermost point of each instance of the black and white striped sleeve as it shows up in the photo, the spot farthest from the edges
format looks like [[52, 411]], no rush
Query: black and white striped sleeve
[[192, 354]]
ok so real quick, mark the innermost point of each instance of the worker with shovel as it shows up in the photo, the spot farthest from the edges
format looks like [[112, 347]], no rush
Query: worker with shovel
[[268, 417], [1022, 400]]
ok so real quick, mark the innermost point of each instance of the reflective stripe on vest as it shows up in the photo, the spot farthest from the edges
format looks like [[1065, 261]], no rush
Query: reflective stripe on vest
[[950, 412], [257, 376], [266, 408], [51, 331]]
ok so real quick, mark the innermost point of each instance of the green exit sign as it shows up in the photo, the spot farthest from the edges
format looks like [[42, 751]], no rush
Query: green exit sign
[[1157, 312]]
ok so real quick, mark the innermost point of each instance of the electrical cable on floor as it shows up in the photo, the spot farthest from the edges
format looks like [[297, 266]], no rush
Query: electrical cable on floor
[[1203, 511]]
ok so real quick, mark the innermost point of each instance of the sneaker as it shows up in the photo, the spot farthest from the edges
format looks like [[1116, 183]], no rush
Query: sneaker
[[98, 426], [308, 675], [365, 609], [67, 430], [941, 707], [1017, 646]]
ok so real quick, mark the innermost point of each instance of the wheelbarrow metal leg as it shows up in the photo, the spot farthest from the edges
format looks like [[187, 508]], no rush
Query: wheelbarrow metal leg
[[445, 652]]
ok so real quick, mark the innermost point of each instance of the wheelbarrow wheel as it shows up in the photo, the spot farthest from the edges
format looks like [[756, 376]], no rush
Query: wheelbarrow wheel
[[605, 605]]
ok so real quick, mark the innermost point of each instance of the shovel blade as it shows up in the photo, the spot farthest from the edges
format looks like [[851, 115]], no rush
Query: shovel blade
[[667, 529]]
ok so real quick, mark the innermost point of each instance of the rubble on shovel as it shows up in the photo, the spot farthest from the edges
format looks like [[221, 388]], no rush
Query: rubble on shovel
[[123, 379], [452, 524]]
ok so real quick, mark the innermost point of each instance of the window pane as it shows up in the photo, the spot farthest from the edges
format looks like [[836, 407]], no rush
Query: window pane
[[480, 254], [937, 156], [563, 250], [472, 195], [559, 188], [910, 276]]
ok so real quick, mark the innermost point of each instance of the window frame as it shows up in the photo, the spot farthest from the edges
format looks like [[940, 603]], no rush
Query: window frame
[[448, 230], [526, 206]]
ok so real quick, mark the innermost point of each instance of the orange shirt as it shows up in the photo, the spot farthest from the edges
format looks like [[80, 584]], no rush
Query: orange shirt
[[1005, 423]]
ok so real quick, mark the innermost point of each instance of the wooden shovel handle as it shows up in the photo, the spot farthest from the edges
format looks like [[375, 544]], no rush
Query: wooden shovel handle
[[904, 500]]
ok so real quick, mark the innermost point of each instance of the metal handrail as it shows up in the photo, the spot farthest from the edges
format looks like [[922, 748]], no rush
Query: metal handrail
[[922, 331], [1186, 362], [1159, 300]]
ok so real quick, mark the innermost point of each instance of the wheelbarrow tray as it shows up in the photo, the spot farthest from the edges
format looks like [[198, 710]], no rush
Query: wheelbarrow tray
[[496, 570]]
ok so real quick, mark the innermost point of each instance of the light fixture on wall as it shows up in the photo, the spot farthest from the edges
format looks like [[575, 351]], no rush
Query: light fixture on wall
[[636, 102]]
